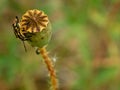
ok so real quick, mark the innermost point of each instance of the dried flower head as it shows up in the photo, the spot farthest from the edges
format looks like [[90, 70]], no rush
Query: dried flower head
[[33, 27]]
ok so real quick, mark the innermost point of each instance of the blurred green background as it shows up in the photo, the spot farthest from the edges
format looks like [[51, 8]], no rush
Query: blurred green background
[[85, 43]]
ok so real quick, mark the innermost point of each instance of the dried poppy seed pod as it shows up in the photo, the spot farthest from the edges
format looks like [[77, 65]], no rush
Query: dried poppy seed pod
[[35, 26]]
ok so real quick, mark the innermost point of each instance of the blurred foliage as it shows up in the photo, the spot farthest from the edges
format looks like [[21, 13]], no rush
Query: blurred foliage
[[85, 42]]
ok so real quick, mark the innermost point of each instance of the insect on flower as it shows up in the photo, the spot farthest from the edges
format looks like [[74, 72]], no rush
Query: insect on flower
[[34, 27]]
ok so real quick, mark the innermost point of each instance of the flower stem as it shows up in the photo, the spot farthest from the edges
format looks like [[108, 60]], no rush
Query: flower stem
[[50, 67]]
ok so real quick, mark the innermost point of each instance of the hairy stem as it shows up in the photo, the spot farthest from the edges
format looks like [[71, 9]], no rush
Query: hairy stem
[[50, 67]]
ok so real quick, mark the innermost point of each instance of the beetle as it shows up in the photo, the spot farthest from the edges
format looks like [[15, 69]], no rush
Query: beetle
[[16, 28]]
